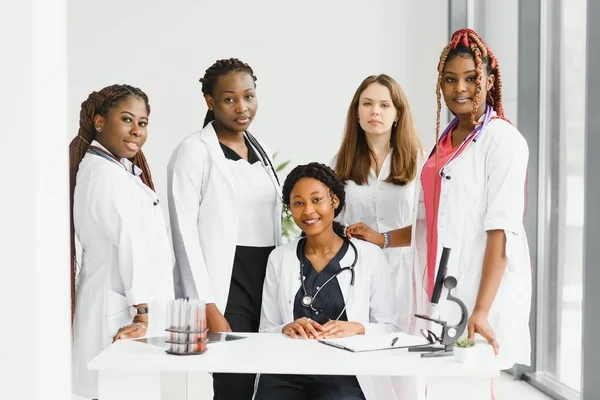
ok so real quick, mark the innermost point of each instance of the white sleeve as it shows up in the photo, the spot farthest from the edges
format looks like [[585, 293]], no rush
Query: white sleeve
[[270, 317], [383, 313], [117, 211], [506, 165], [184, 178]]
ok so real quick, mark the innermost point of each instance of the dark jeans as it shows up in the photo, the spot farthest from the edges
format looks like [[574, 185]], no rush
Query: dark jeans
[[235, 386], [308, 387]]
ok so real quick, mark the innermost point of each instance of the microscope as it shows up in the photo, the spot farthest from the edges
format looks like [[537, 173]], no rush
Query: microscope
[[443, 345]]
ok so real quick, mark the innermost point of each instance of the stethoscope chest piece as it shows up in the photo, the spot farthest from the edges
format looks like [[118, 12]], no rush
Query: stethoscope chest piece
[[306, 301]]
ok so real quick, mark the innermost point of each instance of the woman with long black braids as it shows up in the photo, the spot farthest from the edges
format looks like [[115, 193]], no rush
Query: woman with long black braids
[[225, 208]]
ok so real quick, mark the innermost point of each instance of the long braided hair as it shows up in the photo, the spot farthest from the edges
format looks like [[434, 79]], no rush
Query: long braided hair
[[219, 68], [98, 103], [467, 42], [326, 176]]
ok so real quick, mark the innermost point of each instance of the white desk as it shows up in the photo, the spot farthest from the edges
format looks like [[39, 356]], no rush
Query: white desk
[[130, 370]]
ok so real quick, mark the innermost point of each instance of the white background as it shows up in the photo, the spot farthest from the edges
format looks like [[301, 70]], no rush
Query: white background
[[309, 58]]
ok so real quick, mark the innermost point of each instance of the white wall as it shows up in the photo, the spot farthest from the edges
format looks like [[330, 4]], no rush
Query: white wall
[[498, 25], [34, 288], [309, 58]]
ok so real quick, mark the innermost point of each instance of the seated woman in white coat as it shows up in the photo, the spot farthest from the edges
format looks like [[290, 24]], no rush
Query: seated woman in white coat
[[344, 290], [225, 208], [125, 278], [471, 199]]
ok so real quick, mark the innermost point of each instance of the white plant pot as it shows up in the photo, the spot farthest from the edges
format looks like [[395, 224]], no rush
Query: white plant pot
[[465, 355]]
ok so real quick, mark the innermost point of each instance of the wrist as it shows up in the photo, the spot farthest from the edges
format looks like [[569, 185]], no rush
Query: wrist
[[140, 324], [381, 240], [478, 309], [386, 240], [143, 320], [360, 328], [212, 311]]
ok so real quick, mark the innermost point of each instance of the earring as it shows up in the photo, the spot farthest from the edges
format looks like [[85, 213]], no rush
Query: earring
[[210, 109], [395, 124]]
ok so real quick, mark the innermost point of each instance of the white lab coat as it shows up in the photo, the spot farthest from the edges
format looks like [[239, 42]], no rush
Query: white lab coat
[[368, 302], [126, 259], [384, 207], [485, 191], [205, 216]]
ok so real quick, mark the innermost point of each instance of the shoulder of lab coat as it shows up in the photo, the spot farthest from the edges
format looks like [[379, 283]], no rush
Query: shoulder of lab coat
[[506, 160], [114, 209], [185, 174], [383, 313]]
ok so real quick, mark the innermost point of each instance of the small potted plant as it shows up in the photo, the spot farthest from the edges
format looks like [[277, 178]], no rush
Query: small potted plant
[[464, 350]]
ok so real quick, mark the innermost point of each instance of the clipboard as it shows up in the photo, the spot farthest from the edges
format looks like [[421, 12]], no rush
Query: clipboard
[[387, 341]]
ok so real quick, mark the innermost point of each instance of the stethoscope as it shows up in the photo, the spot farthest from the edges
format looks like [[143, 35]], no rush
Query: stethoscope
[[308, 300], [472, 137], [265, 159]]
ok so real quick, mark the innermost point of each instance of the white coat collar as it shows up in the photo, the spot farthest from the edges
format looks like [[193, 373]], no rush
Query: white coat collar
[[209, 136], [129, 166], [384, 171]]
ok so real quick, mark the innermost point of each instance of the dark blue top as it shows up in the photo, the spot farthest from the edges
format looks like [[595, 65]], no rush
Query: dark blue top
[[329, 303]]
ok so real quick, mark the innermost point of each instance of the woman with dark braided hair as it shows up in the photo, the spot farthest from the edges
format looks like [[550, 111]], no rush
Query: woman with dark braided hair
[[472, 200], [126, 268], [225, 208], [344, 289]]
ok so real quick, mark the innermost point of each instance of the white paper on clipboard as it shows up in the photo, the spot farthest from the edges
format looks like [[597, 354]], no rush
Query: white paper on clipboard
[[360, 343]]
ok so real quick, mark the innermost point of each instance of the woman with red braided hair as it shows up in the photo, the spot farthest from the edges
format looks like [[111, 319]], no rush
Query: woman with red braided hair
[[472, 200], [225, 206], [126, 267]]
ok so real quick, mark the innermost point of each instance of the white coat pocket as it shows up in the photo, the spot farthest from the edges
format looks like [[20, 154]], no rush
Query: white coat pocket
[[117, 312]]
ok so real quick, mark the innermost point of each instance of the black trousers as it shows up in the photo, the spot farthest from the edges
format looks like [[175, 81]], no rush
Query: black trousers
[[308, 387], [235, 386]]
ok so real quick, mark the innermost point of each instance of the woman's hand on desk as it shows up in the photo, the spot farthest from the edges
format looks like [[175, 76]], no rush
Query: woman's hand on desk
[[478, 323], [134, 330], [215, 321], [338, 329], [306, 328]]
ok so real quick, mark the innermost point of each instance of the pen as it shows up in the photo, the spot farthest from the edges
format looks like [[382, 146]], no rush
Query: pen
[[394, 340]]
